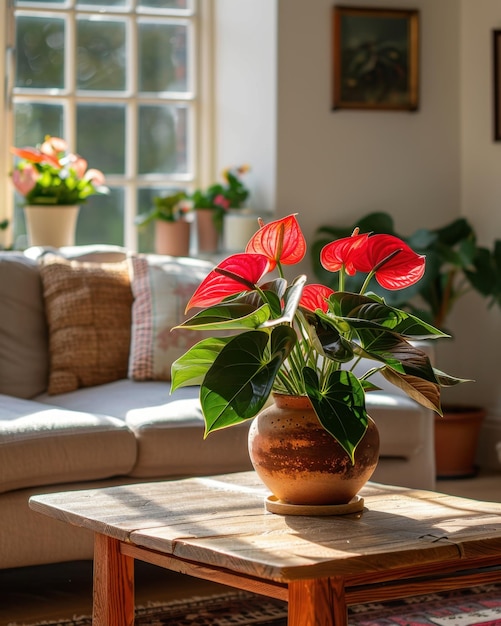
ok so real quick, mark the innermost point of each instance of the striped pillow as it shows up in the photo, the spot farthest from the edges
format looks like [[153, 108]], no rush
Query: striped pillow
[[161, 287]]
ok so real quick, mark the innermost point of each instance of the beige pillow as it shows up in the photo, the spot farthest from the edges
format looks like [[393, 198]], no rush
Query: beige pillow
[[162, 287], [88, 308]]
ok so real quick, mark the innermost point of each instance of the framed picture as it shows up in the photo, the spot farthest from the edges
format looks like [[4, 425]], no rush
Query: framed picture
[[497, 83], [375, 58]]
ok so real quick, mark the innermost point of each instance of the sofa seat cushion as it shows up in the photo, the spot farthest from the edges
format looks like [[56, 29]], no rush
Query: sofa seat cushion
[[42, 444], [404, 425], [169, 429]]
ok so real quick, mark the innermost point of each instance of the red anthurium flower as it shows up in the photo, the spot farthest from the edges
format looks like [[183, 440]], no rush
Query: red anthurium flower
[[233, 275], [403, 268], [280, 241], [343, 252], [35, 156], [315, 297]]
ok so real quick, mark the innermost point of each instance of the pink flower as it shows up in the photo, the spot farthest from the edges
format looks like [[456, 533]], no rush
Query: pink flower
[[24, 180], [221, 201]]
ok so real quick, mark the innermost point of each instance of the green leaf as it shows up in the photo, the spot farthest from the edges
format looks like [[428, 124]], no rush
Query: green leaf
[[422, 391], [241, 378], [228, 316], [372, 312], [192, 366], [340, 407], [398, 354]]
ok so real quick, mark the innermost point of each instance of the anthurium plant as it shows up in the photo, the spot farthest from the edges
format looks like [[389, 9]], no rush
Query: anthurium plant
[[51, 175], [305, 339]]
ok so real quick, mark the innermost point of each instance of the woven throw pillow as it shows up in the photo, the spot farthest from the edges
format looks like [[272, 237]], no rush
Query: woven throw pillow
[[161, 287], [88, 308]]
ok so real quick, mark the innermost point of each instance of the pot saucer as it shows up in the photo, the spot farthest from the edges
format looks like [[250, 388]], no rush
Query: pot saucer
[[274, 505]]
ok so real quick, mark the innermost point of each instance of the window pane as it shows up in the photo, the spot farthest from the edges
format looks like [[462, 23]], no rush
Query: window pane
[[103, 3], [41, 3], [101, 136], [32, 121], [101, 46], [101, 219], [39, 52], [163, 4], [162, 139], [166, 71]]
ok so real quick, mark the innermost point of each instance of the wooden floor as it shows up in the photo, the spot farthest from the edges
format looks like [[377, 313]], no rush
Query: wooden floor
[[60, 591]]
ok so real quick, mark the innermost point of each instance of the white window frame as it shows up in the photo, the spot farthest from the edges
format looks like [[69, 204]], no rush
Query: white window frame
[[202, 147]]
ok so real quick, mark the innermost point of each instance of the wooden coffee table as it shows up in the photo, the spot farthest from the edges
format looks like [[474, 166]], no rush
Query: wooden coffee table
[[405, 542]]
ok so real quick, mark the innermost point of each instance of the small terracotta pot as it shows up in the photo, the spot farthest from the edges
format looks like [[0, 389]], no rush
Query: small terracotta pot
[[172, 238], [207, 233], [300, 462]]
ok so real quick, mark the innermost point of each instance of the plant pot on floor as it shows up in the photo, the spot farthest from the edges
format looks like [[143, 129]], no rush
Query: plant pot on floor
[[456, 440]]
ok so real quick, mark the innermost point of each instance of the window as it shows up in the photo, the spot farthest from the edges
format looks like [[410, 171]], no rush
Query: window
[[118, 80]]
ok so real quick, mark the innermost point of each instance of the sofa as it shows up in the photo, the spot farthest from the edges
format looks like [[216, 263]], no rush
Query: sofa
[[85, 353]]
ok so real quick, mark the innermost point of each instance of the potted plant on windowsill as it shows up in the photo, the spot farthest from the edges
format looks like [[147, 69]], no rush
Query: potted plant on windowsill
[[172, 230], [214, 204], [455, 265], [299, 340], [54, 183]]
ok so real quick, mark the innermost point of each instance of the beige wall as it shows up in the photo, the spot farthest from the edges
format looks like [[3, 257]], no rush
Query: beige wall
[[425, 167]]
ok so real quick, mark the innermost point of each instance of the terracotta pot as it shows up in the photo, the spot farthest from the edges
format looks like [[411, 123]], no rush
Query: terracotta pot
[[172, 238], [456, 439], [300, 462], [51, 225], [207, 233]]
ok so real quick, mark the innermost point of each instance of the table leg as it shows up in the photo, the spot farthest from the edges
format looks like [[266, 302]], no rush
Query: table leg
[[113, 584], [317, 603]]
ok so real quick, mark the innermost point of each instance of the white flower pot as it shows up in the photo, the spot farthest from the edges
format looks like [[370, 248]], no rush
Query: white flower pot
[[52, 226], [238, 227]]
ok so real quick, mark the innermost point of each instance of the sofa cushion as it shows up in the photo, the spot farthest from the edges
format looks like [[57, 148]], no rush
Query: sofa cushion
[[161, 287], [24, 352], [88, 307], [169, 429], [42, 444]]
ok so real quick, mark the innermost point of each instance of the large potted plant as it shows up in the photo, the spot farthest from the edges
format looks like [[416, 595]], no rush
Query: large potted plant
[[455, 265], [54, 183], [172, 230], [302, 340]]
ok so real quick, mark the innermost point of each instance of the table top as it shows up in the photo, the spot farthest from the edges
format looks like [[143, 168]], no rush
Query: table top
[[221, 521]]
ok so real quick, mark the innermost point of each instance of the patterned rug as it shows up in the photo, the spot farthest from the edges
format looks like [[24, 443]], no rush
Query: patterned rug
[[478, 606]]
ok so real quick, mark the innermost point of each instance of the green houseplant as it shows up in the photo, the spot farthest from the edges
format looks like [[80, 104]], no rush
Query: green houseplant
[[172, 231], [212, 204], [304, 340], [455, 266]]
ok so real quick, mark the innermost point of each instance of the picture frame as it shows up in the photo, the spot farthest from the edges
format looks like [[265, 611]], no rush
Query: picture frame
[[375, 58], [496, 41]]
